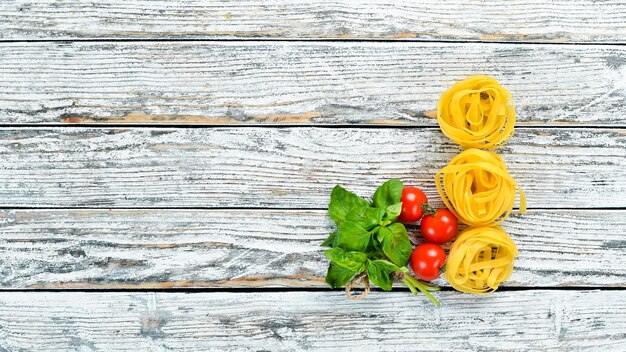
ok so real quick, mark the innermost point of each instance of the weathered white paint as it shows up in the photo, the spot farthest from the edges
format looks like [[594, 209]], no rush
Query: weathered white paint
[[502, 20], [295, 83], [254, 248], [300, 82], [289, 167], [296, 321]]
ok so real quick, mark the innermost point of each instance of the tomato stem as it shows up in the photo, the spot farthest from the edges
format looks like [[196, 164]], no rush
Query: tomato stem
[[428, 209]]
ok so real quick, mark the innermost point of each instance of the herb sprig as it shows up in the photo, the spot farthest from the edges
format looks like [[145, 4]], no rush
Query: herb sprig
[[369, 243]]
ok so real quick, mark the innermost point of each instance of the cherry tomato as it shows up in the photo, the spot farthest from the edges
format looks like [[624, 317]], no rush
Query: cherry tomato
[[439, 228], [426, 261], [412, 200]]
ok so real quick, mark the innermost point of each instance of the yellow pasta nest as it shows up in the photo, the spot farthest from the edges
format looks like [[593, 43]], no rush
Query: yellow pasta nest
[[477, 113], [477, 188], [480, 259]]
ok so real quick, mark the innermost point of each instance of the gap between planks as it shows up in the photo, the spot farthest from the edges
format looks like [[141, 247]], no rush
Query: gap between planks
[[300, 289], [279, 126], [285, 209], [297, 40]]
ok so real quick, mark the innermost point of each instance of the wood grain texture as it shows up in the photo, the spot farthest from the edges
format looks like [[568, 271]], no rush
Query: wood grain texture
[[501, 20], [296, 321], [244, 248], [287, 167], [300, 83]]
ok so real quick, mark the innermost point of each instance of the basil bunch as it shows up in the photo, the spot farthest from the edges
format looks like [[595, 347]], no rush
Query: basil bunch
[[368, 239]]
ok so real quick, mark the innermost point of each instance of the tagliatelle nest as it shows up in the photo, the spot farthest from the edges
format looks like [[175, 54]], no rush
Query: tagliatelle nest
[[480, 259], [477, 188], [477, 113]]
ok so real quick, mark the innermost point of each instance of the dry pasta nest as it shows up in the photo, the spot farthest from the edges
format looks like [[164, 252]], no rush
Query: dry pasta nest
[[480, 259], [477, 188], [477, 113]]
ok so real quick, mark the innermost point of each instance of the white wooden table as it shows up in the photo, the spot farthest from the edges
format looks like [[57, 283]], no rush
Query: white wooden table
[[165, 166]]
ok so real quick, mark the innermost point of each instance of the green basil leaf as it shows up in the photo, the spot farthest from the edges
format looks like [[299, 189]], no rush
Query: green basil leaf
[[369, 219], [382, 233], [330, 240], [380, 273], [355, 261], [337, 276], [342, 203], [388, 193], [393, 211], [387, 265], [352, 237], [396, 243], [374, 253]]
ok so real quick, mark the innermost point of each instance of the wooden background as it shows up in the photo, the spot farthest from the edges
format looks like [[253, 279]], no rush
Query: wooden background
[[165, 166]]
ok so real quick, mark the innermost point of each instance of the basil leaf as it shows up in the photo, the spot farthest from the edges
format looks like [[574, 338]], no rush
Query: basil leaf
[[330, 241], [388, 193], [373, 252], [380, 273], [337, 276], [352, 237], [396, 243], [381, 233], [342, 203], [354, 261], [393, 211], [387, 265], [369, 219]]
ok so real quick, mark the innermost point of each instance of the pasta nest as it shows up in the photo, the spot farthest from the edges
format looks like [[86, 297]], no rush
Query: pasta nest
[[480, 259], [477, 113], [477, 188]]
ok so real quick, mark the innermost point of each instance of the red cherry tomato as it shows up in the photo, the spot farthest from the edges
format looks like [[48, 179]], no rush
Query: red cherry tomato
[[439, 228], [412, 200], [426, 261]]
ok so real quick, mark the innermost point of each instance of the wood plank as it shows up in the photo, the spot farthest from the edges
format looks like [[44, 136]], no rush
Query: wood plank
[[299, 83], [282, 321], [515, 21], [244, 248], [287, 167]]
